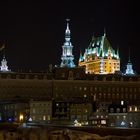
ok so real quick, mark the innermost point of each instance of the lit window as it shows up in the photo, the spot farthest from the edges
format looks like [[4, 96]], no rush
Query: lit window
[[44, 118], [97, 116], [130, 108], [136, 109], [124, 117], [122, 102], [85, 95], [103, 121]]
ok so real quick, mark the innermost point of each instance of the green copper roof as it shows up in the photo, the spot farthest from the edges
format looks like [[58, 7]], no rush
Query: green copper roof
[[101, 47]]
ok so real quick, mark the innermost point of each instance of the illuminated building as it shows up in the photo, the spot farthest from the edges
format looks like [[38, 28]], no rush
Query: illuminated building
[[70, 89], [4, 67], [80, 112], [16, 111], [129, 69], [41, 110], [67, 56], [100, 57]]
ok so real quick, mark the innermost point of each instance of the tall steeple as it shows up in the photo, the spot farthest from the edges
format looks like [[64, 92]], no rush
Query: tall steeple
[[67, 56], [129, 69]]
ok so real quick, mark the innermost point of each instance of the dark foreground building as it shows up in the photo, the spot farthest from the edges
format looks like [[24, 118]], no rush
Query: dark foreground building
[[110, 100]]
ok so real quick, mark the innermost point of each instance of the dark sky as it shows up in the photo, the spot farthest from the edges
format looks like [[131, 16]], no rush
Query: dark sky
[[33, 32]]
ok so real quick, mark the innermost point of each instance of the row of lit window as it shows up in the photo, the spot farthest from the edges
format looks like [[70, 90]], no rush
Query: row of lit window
[[40, 104], [34, 110], [133, 108], [117, 89], [44, 118], [117, 96]]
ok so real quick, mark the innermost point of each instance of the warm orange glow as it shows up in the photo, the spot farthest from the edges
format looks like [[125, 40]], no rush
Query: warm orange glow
[[21, 117]]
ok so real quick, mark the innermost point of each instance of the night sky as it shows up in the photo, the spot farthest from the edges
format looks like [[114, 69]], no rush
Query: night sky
[[33, 32]]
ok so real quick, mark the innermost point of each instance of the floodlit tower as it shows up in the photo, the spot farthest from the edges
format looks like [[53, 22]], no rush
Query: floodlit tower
[[129, 69], [4, 67], [67, 56]]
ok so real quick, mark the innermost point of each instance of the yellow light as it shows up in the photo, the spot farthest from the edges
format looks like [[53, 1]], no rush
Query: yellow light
[[21, 117]]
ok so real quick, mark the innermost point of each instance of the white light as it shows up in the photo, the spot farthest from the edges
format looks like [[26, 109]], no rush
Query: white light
[[122, 123], [44, 117], [76, 123], [136, 109], [103, 121], [122, 102], [130, 108], [85, 95], [30, 119]]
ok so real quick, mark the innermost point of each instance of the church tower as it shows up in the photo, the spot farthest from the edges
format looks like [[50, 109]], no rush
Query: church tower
[[67, 56], [129, 69], [4, 67]]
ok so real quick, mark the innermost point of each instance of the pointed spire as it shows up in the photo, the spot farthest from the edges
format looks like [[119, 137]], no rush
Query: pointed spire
[[129, 69], [81, 57], [67, 56], [118, 52], [67, 29], [129, 56], [104, 32]]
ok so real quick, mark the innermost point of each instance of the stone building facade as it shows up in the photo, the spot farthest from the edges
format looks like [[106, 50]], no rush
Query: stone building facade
[[93, 89]]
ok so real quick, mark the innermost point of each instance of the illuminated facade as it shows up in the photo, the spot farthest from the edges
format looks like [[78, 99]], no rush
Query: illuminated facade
[[4, 67], [67, 56], [71, 98], [100, 57], [129, 69]]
